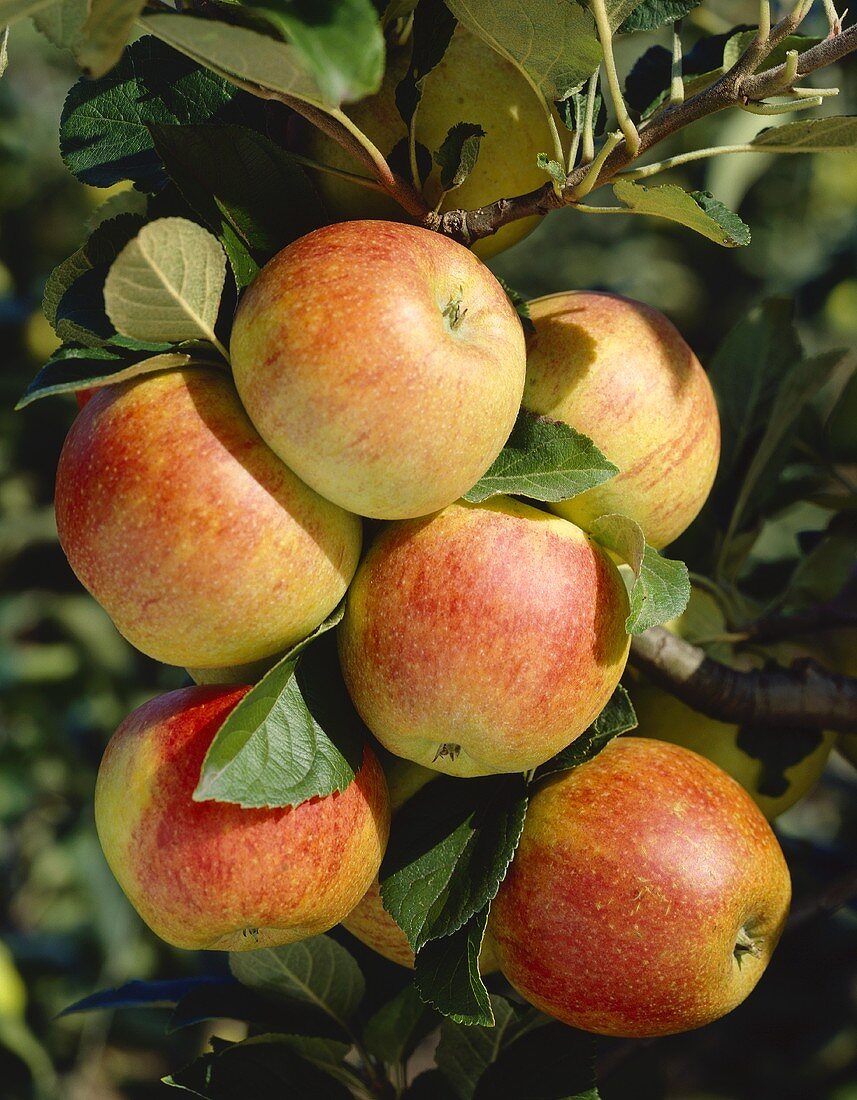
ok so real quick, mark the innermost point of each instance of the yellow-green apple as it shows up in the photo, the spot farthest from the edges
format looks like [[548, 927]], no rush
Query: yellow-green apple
[[369, 921], [620, 372], [660, 715], [472, 83], [484, 638], [202, 546], [383, 363], [646, 896], [212, 875]]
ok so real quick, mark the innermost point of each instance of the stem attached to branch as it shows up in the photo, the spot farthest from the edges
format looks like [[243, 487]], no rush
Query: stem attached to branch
[[803, 696], [676, 76], [588, 153]]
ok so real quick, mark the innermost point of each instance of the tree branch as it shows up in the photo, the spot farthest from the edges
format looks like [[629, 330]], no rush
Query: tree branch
[[803, 696], [738, 86]]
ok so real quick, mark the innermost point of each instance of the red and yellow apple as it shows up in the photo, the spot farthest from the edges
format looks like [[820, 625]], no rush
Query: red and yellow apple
[[203, 548], [620, 372], [484, 638], [646, 896], [471, 83], [212, 875], [383, 363]]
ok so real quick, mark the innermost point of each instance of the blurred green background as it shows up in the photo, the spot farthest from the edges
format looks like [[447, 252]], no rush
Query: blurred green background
[[67, 678]]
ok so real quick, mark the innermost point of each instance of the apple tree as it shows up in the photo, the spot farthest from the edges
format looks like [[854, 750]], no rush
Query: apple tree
[[485, 674]]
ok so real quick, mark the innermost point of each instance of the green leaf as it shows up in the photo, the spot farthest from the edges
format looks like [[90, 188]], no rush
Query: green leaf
[[695, 209], [13, 10], [746, 373], [294, 736], [103, 129], [618, 10], [71, 369], [840, 428], [339, 42], [552, 1062], [74, 292], [465, 1053], [545, 460], [823, 572], [446, 973], [554, 169], [572, 111], [661, 587], [245, 57], [94, 31], [317, 972], [800, 385], [267, 1067], [249, 191], [458, 154], [554, 45], [651, 14], [834, 134], [394, 1031], [166, 283], [739, 43], [431, 31], [449, 852], [617, 717]]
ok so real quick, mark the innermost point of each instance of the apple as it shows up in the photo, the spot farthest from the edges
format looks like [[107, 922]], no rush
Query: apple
[[203, 548], [484, 638], [619, 371], [472, 83], [646, 896], [211, 875], [383, 363], [660, 715], [369, 921]]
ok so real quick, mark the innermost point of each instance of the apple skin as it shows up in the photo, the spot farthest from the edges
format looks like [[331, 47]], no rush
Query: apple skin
[[636, 875], [471, 83], [663, 717], [621, 373], [203, 548], [211, 875], [484, 638], [369, 921], [351, 371]]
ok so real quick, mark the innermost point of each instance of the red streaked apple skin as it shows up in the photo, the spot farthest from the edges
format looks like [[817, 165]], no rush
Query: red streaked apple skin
[[349, 360], [495, 628], [621, 373], [635, 876], [212, 875], [204, 549]]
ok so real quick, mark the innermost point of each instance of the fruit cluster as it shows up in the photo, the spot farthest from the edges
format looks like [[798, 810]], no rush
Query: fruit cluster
[[377, 371]]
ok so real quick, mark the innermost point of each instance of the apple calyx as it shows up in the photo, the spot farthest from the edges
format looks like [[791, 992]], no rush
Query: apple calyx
[[448, 748], [745, 944], [452, 311]]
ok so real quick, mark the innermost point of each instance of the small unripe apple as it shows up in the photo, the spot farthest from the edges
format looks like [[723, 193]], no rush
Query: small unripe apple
[[471, 83], [620, 372], [484, 638], [383, 363], [212, 875], [646, 896], [203, 548]]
